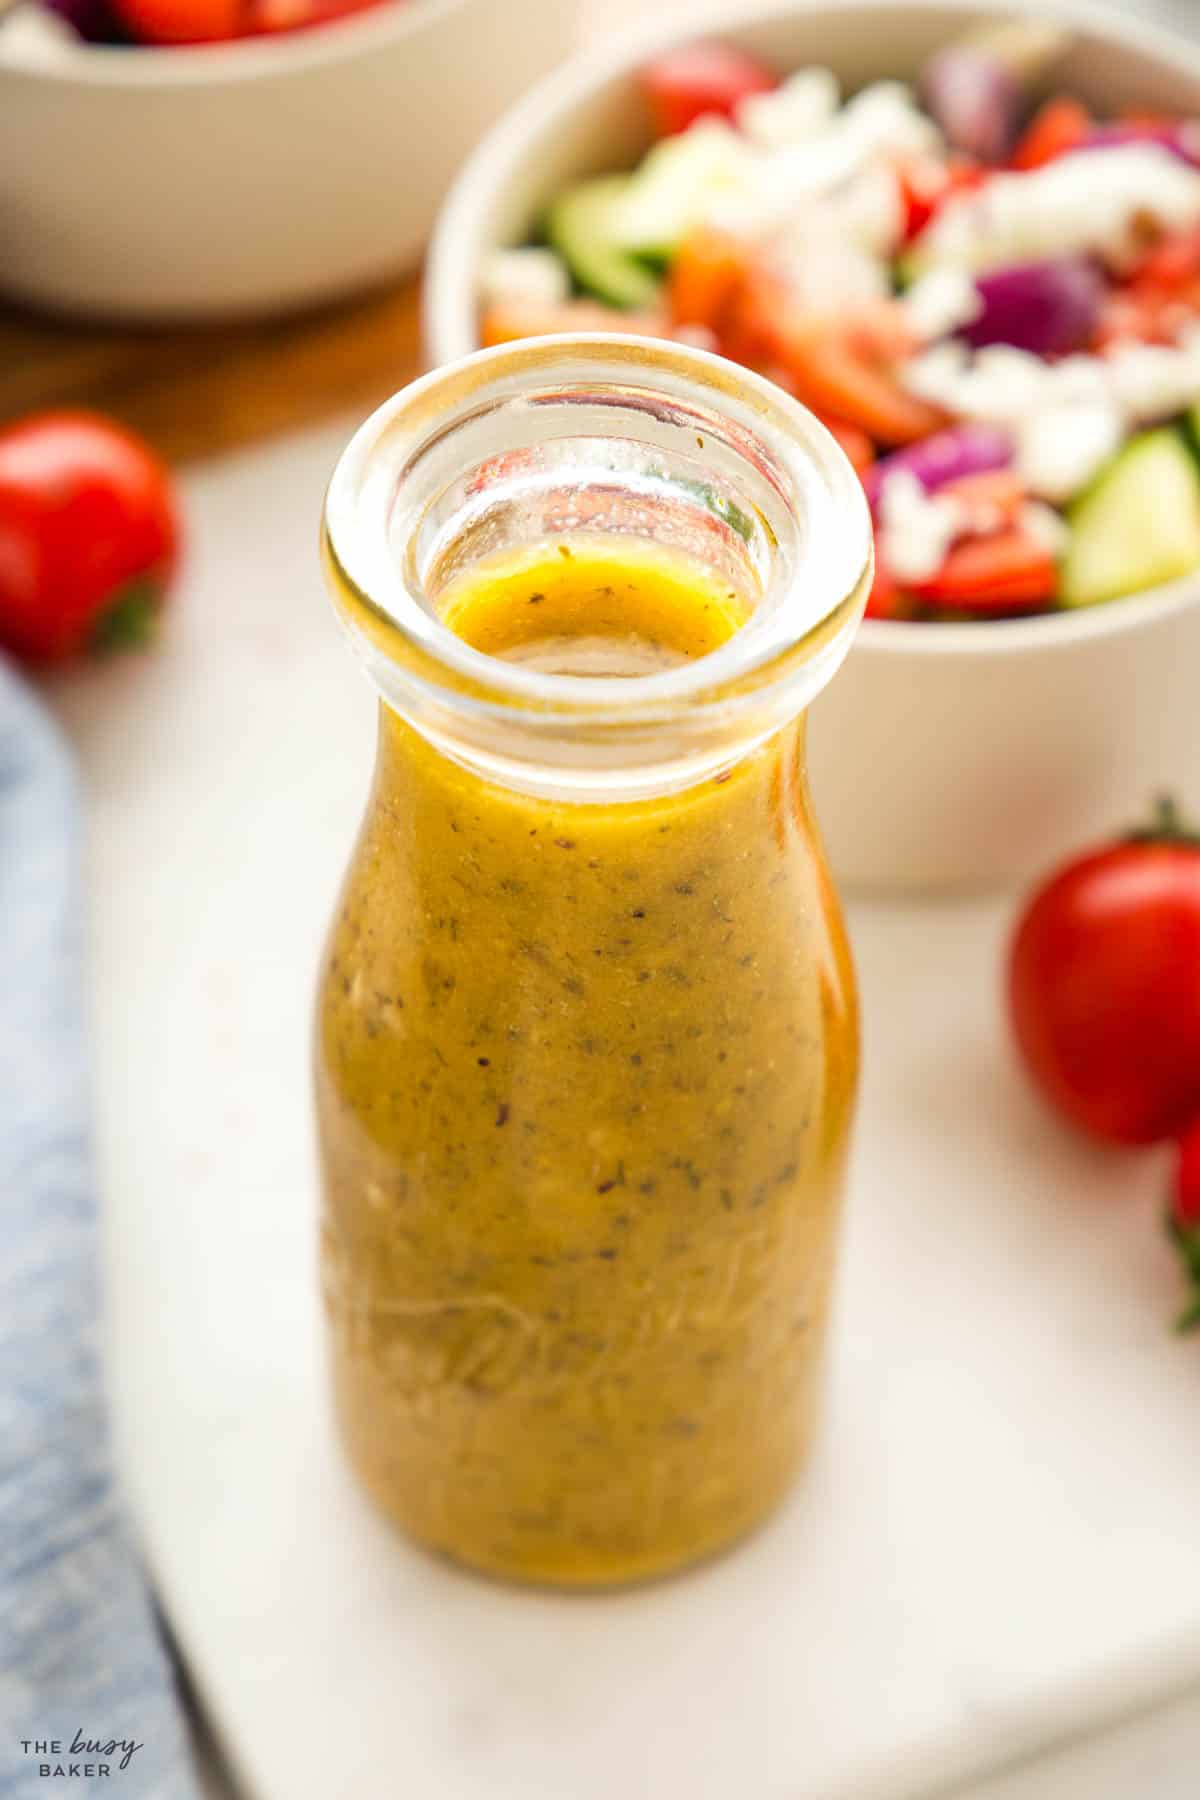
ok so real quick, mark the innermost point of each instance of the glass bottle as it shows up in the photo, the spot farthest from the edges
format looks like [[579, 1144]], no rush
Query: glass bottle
[[587, 1032]]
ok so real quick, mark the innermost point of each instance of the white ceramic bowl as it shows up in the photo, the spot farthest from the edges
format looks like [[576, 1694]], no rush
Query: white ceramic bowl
[[942, 757], [255, 176]]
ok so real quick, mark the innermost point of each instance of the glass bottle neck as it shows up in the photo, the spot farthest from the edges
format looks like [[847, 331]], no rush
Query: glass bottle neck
[[544, 447], [553, 784]]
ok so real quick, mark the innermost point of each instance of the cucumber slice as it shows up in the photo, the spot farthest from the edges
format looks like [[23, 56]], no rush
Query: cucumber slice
[[1138, 524], [1191, 425], [580, 227], [676, 184]]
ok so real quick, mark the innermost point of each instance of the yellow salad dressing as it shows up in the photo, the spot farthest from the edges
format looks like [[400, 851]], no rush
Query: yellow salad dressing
[[585, 1077]]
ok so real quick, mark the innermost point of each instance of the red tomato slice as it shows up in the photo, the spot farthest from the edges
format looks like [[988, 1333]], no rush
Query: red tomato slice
[[832, 376], [994, 499], [885, 600], [1172, 264], [879, 330], [1007, 572], [859, 449], [921, 182], [705, 278], [748, 329], [1145, 313], [1061, 125], [682, 85], [927, 182], [837, 365], [1128, 317]]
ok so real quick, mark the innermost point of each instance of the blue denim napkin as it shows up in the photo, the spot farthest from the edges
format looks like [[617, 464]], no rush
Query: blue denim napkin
[[80, 1656]]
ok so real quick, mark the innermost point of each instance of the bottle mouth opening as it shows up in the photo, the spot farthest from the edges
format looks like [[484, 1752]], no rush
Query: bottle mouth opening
[[561, 437]]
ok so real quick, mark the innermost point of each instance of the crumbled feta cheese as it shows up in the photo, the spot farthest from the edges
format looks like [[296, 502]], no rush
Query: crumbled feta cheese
[[998, 385], [934, 375], [1068, 417], [1152, 381], [1044, 526], [797, 109], [821, 264], [858, 224], [1077, 377], [780, 182], [830, 246], [1096, 201], [1060, 447], [536, 276], [939, 302], [682, 182], [870, 210], [916, 529], [885, 119], [783, 176]]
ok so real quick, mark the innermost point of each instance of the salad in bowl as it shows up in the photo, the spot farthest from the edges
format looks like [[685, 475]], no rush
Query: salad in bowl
[[989, 294]]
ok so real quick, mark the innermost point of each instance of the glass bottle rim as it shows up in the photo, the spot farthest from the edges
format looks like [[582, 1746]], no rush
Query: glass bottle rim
[[414, 656]]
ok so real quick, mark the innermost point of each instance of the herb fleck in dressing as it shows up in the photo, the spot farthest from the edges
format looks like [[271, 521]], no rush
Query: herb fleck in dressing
[[585, 1075]]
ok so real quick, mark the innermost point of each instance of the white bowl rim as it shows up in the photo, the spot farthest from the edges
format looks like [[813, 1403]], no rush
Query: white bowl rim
[[449, 271], [239, 59]]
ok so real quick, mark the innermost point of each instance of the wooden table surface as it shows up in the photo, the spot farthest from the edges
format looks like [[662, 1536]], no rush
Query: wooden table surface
[[197, 391]]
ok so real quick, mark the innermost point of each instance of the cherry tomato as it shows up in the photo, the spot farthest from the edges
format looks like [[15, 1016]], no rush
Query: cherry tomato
[[294, 15], [1104, 986], [682, 85], [1185, 1199], [183, 21], [1183, 1220], [216, 21], [88, 535]]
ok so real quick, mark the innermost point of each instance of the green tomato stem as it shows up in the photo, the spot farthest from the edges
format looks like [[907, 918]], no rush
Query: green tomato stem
[[1168, 825]]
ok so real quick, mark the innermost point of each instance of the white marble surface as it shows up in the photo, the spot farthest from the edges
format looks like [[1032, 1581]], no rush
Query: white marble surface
[[995, 1546], [1153, 1755]]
